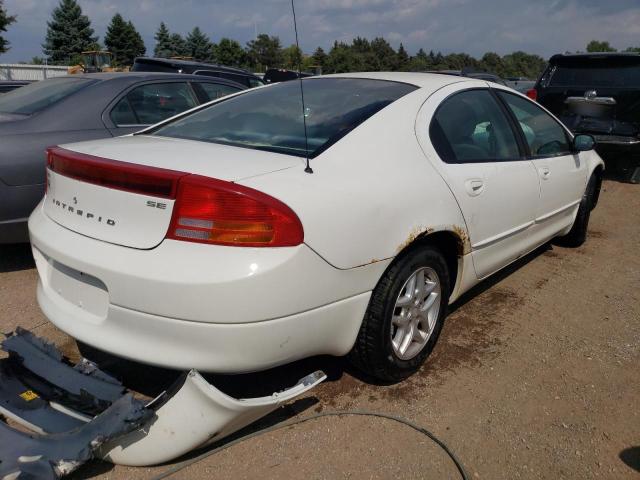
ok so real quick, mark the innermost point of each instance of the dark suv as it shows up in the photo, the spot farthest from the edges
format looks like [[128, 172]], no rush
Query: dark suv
[[598, 94], [170, 65]]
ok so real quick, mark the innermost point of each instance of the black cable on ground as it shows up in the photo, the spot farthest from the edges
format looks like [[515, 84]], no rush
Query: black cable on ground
[[363, 413]]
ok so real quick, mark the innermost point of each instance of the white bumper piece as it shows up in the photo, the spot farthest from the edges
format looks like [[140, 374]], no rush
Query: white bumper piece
[[198, 414]]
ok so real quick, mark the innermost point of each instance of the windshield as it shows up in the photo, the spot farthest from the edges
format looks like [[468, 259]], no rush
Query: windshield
[[599, 72], [271, 118], [39, 95]]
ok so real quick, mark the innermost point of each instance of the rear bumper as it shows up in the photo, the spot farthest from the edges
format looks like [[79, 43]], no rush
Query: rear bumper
[[219, 348], [183, 305]]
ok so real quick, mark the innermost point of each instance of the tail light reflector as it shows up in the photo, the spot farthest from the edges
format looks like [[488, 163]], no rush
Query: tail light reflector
[[214, 211], [532, 94]]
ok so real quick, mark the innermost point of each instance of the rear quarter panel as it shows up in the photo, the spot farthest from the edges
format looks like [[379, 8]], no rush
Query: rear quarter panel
[[371, 194]]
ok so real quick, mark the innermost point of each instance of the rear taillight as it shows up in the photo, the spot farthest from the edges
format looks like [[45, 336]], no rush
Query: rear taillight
[[158, 182], [206, 210], [532, 94], [213, 211]]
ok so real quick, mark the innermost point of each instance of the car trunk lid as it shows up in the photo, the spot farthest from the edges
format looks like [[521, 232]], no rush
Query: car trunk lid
[[93, 188]]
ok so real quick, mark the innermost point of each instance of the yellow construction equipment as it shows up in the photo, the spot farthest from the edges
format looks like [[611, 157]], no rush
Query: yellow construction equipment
[[96, 61]]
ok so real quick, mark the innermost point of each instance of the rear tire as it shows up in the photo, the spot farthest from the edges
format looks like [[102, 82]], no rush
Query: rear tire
[[578, 233], [405, 315]]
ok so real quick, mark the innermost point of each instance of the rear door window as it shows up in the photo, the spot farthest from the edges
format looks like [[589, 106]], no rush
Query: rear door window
[[470, 126], [544, 135], [214, 91], [152, 103], [37, 96]]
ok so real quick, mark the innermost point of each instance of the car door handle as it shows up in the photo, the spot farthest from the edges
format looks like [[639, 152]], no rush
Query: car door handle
[[545, 173], [474, 187]]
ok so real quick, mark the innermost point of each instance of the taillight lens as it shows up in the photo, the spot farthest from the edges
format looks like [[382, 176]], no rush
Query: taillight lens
[[129, 177], [532, 94], [213, 211]]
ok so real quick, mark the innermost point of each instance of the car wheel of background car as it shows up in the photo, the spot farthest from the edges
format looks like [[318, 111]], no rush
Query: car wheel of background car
[[405, 316], [578, 233]]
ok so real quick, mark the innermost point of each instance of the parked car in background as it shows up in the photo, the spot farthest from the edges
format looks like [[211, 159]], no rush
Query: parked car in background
[[202, 242], [170, 65], [598, 94], [7, 86], [275, 75], [520, 84], [81, 107]]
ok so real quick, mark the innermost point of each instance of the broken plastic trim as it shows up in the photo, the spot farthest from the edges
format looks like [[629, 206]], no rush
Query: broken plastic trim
[[79, 412]]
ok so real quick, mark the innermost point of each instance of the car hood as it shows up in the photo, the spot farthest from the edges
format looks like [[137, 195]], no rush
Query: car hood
[[203, 158]]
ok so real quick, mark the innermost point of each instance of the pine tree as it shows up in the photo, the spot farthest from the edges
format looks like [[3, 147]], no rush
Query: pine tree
[[402, 58], [5, 21], [265, 52], [178, 46], [163, 42], [69, 33], [198, 45], [123, 41], [115, 39], [229, 52], [138, 48], [319, 58]]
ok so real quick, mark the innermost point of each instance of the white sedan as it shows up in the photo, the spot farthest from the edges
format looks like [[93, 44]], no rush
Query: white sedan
[[204, 242]]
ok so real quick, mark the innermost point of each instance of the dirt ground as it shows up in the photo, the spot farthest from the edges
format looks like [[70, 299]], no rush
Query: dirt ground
[[536, 375]]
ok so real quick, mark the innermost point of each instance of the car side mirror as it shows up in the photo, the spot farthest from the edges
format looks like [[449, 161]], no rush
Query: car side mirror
[[583, 143]]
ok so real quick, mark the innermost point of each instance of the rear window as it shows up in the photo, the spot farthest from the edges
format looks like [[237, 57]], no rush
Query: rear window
[[597, 72], [271, 118], [39, 95]]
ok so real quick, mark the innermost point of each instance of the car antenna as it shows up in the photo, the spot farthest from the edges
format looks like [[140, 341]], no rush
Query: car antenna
[[308, 169]]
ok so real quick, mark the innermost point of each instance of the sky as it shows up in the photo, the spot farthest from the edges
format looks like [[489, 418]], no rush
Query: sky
[[544, 27]]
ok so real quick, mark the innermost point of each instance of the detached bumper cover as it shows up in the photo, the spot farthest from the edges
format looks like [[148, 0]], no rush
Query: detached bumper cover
[[67, 414]]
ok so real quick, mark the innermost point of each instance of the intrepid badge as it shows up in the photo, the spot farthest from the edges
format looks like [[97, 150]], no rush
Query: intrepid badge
[[83, 213]]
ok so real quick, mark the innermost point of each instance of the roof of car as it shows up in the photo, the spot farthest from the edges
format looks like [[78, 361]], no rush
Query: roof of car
[[145, 76], [137, 75], [419, 79], [191, 63], [595, 55], [15, 82]]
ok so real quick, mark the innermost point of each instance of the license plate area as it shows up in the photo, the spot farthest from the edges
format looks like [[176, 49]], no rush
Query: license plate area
[[77, 288]]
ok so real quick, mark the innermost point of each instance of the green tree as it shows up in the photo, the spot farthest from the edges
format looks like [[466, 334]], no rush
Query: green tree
[[420, 62], [522, 64], [265, 52], [5, 21], [69, 33], [319, 59], [340, 58], [292, 57], [178, 46], [492, 62], [385, 57], [123, 41], [633, 49], [198, 45], [402, 60], [598, 46], [163, 42], [138, 48], [229, 52], [37, 61]]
